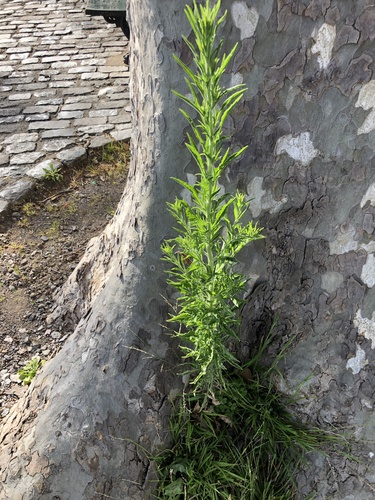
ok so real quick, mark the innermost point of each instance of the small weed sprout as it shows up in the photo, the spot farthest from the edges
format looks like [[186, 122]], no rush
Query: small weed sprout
[[17, 271], [17, 247], [28, 372], [50, 207], [54, 229], [52, 173], [211, 232], [68, 207], [30, 209]]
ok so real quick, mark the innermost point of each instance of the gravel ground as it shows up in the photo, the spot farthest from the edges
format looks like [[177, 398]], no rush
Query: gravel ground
[[40, 244]]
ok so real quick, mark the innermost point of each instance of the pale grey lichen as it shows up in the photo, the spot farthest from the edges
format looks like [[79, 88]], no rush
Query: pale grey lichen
[[368, 271], [299, 147], [369, 196], [358, 362], [324, 42], [366, 100], [260, 199], [366, 327], [245, 18]]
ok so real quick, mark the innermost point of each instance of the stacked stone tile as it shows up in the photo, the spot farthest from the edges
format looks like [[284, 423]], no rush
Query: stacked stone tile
[[63, 89]]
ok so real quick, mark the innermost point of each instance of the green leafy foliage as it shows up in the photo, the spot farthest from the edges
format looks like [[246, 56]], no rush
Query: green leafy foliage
[[28, 372], [52, 173], [211, 229]]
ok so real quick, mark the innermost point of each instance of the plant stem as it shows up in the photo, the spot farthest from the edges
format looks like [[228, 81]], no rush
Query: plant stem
[[209, 235]]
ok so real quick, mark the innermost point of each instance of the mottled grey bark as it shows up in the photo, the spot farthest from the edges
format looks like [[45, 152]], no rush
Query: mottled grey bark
[[310, 123], [76, 433], [309, 120]]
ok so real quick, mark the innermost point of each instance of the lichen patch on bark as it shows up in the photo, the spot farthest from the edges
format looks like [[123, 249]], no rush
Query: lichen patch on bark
[[300, 147], [366, 100], [324, 43], [358, 362], [245, 18]]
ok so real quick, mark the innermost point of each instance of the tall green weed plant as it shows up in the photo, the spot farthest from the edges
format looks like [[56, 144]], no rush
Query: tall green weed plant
[[232, 436], [210, 228]]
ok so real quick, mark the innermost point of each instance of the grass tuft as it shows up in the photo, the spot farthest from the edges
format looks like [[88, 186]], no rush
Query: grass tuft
[[242, 444]]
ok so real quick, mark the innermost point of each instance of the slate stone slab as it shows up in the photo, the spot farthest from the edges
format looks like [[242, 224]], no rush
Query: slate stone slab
[[122, 135], [4, 207], [57, 144], [21, 147], [4, 159], [18, 190], [100, 141], [26, 158], [72, 156], [53, 124], [23, 137]]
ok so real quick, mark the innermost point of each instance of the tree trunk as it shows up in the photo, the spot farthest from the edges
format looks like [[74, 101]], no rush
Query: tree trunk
[[309, 120]]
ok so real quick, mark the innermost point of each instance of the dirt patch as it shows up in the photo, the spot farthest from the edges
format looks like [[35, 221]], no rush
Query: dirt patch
[[40, 244]]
